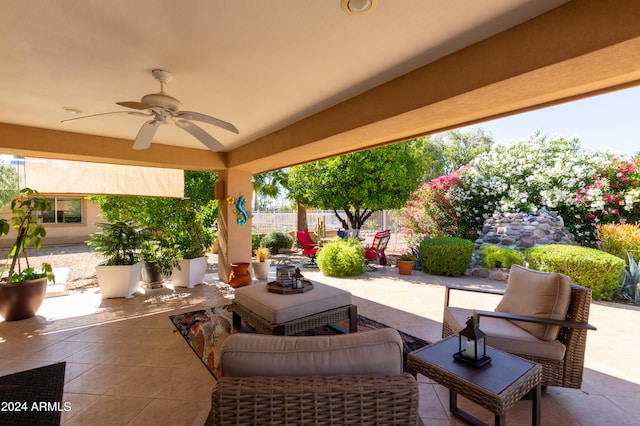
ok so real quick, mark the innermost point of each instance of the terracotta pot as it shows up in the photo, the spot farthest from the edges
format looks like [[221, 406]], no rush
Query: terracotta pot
[[405, 267], [240, 275], [21, 300]]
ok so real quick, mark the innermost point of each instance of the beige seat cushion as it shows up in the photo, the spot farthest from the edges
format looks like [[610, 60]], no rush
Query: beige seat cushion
[[537, 294], [370, 352], [505, 335], [280, 308]]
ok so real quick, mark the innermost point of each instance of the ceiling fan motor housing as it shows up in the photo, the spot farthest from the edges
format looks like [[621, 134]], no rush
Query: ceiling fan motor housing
[[162, 100]]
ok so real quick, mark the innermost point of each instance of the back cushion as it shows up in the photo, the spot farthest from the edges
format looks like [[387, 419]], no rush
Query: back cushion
[[537, 294], [370, 352]]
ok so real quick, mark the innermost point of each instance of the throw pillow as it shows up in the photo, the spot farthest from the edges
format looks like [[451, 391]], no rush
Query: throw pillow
[[537, 294]]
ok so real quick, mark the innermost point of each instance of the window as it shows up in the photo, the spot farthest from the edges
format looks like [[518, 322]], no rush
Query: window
[[64, 210]]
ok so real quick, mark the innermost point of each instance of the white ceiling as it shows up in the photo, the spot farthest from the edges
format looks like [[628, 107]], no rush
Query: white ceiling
[[258, 64]]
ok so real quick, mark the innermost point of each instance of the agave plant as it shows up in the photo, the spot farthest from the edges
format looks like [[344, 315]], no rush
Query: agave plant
[[630, 288]]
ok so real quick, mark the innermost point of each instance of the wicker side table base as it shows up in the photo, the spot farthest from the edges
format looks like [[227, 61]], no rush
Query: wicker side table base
[[496, 387]]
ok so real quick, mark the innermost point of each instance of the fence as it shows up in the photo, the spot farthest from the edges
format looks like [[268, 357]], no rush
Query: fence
[[269, 221]]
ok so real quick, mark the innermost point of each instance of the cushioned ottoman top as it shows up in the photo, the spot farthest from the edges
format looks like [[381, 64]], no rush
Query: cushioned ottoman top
[[280, 308]]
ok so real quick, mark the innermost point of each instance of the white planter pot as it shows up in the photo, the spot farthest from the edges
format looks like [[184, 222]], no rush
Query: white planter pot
[[191, 272], [119, 281], [261, 269]]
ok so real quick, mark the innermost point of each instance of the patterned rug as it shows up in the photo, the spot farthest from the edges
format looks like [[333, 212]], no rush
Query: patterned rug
[[205, 330]]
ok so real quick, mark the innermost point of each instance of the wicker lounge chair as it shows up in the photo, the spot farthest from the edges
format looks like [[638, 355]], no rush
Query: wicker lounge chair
[[556, 340]]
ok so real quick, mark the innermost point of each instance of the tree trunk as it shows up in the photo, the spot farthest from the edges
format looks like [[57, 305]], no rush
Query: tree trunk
[[344, 223], [301, 221]]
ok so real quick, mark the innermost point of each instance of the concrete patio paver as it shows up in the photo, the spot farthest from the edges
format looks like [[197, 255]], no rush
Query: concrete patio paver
[[126, 364]]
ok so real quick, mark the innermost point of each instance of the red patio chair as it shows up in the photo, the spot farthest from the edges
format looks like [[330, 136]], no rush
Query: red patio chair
[[309, 247], [376, 249]]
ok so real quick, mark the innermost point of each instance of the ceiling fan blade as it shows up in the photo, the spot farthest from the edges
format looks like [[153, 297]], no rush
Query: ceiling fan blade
[[104, 113], [134, 105], [209, 141], [190, 115], [145, 134]]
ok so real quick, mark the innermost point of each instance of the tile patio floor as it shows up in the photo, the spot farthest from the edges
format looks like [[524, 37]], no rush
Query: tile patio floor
[[127, 365]]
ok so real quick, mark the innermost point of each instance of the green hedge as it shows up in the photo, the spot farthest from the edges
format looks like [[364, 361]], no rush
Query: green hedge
[[492, 255], [600, 271], [445, 255], [274, 241], [341, 258]]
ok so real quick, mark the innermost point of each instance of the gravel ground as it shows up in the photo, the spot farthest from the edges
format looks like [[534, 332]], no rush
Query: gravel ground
[[81, 261]]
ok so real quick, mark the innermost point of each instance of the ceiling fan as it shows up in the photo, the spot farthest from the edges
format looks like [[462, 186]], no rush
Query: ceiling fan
[[165, 109]]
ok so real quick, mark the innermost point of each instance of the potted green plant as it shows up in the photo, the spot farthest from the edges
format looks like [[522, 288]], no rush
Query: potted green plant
[[262, 263], [120, 242], [185, 232], [22, 290], [159, 259], [406, 262]]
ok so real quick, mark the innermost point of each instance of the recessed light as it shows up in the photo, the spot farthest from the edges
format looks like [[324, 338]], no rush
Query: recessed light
[[72, 110], [358, 7]]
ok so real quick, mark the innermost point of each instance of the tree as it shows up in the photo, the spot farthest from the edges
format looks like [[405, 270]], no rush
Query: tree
[[198, 206], [359, 183], [455, 149], [199, 187], [8, 183], [269, 184]]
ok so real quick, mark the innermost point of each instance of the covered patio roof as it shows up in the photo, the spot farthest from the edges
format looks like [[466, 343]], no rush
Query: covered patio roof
[[300, 80]]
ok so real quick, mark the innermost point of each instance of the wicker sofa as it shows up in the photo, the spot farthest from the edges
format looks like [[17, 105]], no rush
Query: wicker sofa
[[343, 379]]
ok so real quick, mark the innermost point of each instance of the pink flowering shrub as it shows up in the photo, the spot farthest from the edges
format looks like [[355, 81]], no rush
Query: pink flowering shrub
[[430, 210], [613, 196]]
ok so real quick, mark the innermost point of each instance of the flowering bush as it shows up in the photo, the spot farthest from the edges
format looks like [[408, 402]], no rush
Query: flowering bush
[[430, 210], [613, 196], [527, 176], [584, 187]]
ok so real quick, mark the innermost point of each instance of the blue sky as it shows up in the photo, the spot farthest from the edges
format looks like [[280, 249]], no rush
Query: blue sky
[[610, 121]]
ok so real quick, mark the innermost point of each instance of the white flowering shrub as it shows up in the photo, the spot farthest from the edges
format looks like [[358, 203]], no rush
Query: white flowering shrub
[[585, 187]]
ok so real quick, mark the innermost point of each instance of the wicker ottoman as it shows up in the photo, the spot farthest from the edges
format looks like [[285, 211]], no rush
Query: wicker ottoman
[[285, 314]]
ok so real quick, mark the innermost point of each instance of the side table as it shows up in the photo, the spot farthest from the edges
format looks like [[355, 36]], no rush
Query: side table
[[496, 386]]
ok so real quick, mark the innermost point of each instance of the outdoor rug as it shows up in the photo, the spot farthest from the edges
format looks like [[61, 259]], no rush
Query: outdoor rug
[[205, 330], [32, 397]]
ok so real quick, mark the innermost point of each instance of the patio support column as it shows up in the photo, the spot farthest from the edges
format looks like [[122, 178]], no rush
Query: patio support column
[[234, 238]]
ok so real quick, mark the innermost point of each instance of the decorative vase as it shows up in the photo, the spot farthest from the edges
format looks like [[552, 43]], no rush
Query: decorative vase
[[21, 300], [240, 275], [405, 267], [261, 269]]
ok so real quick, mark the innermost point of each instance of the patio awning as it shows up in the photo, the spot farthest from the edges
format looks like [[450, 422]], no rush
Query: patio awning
[[77, 177]]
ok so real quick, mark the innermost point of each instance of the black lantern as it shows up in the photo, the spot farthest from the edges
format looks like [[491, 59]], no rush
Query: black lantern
[[298, 279], [472, 347]]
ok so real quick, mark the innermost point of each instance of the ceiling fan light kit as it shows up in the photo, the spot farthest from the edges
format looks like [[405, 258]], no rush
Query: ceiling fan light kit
[[165, 109]]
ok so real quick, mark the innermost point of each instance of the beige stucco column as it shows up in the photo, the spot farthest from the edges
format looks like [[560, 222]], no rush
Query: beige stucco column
[[234, 238]]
